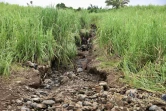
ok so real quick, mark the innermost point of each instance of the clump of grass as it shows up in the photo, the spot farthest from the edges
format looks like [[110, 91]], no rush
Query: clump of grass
[[37, 34], [137, 35]]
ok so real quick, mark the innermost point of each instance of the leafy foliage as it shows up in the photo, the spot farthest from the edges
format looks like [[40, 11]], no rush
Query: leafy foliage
[[117, 3], [61, 5], [93, 8]]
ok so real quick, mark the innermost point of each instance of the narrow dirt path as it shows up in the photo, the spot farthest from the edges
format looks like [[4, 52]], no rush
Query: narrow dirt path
[[84, 89]]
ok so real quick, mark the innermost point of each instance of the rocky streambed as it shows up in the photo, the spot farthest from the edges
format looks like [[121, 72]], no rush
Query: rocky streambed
[[82, 89]]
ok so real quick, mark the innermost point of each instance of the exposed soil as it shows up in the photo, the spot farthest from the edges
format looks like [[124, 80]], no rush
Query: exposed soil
[[89, 87]]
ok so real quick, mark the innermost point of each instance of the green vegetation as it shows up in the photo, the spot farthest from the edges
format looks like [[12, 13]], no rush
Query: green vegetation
[[117, 3], [135, 34], [37, 34]]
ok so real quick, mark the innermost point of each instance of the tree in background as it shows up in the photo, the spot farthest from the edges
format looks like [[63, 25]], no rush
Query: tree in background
[[79, 9], [117, 3], [31, 3], [61, 5], [93, 8]]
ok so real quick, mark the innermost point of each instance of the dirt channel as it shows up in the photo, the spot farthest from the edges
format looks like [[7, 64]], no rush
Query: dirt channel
[[86, 88]]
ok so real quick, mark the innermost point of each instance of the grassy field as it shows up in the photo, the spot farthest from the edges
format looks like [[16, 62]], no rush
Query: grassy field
[[37, 34], [136, 34]]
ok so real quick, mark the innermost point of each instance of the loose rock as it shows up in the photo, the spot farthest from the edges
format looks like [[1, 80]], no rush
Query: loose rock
[[41, 106], [81, 97], [48, 102], [155, 108], [87, 103], [79, 70], [25, 108], [19, 102], [70, 107], [64, 79], [163, 97], [36, 100], [131, 92]]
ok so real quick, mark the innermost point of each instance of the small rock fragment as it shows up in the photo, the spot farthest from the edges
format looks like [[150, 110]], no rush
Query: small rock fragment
[[64, 79], [19, 102], [70, 107], [87, 108], [87, 103], [109, 106], [41, 106], [95, 106], [81, 97], [131, 93], [25, 108], [163, 97], [79, 70], [103, 83], [65, 105], [48, 102], [31, 64], [33, 105], [36, 100], [43, 93], [155, 108]]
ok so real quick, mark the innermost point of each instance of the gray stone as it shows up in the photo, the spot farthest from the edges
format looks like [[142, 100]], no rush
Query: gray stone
[[43, 93], [48, 102], [87, 103], [33, 105], [26, 99], [53, 108], [92, 97], [41, 106], [47, 86], [57, 84], [18, 82], [95, 105], [65, 105], [87, 108], [116, 108], [64, 79], [163, 97], [81, 97], [105, 93], [131, 92], [48, 81], [9, 107], [36, 100], [34, 96], [19, 102], [103, 83], [78, 105], [25, 108], [103, 100], [28, 103], [70, 107], [79, 70], [155, 108]]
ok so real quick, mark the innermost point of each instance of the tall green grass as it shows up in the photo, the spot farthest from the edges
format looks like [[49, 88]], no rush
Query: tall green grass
[[37, 34], [138, 36]]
